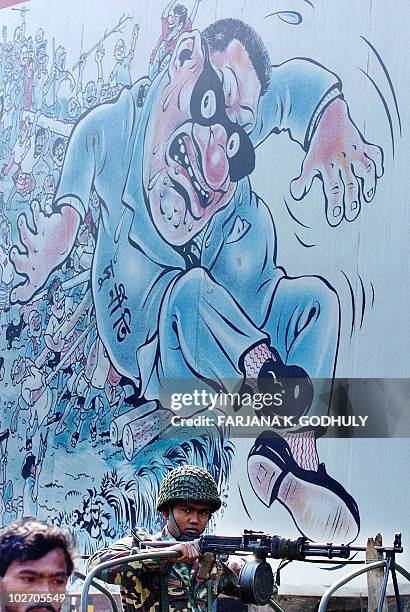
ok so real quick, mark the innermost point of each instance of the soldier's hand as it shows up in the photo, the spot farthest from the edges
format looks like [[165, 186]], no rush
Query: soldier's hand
[[189, 552]]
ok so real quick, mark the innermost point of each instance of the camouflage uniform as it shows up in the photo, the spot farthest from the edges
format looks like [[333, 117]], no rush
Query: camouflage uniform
[[140, 581]]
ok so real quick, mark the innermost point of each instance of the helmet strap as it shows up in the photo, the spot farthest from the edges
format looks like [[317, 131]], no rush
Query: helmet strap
[[179, 535]]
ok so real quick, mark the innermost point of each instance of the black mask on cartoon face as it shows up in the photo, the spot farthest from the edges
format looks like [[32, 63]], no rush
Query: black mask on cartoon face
[[208, 108]]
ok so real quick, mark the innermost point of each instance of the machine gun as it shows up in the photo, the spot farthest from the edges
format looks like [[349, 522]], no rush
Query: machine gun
[[256, 581]]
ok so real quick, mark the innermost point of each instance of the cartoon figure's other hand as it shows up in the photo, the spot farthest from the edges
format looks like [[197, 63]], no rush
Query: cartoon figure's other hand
[[45, 247], [58, 342], [347, 165], [99, 54]]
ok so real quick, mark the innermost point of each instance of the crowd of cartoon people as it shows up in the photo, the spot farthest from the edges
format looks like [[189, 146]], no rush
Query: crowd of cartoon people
[[61, 377]]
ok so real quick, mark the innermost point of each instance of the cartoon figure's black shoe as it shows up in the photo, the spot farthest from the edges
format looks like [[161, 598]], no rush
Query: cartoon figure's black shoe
[[74, 439], [291, 382], [320, 507]]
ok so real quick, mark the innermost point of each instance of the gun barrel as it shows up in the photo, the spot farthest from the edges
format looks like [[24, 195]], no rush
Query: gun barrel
[[276, 547]]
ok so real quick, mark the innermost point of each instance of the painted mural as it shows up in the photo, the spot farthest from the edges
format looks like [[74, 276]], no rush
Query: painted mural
[[146, 248]]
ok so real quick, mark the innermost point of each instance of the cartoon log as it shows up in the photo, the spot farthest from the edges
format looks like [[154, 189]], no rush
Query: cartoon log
[[139, 433], [117, 425]]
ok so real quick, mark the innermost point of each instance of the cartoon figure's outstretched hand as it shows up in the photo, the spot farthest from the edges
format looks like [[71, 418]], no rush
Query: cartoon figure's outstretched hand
[[45, 247], [347, 165]]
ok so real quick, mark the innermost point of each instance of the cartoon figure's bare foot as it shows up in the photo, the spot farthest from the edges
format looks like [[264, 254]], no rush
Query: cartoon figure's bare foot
[[319, 505]]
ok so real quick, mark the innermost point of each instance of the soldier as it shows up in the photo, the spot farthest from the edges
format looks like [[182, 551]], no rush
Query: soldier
[[187, 498]]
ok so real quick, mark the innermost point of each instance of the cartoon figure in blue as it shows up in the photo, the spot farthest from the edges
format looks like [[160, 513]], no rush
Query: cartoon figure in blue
[[185, 281]]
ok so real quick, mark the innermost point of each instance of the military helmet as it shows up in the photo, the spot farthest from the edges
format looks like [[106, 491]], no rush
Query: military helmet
[[189, 483]]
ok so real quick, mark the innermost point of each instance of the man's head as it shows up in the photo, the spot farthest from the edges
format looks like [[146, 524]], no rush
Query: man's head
[[17, 70], [49, 184], [18, 370], [5, 233], [83, 234], [18, 35], [177, 18], [39, 36], [34, 324], [119, 50], [8, 102], [197, 144], [90, 93], [72, 108], [60, 57], [34, 558], [24, 55], [55, 298], [40, 142], [41, 55], [187, 498], [30, 46], [8, 69], [29, 466], [58, 151], [29, 68]]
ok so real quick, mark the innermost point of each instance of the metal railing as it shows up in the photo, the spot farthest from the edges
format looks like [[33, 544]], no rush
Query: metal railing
[[89, 579], [368, 567], [100, 588]]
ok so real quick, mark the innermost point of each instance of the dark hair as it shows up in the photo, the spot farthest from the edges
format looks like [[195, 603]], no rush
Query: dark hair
[[54, 285], [40, 132], [30, 539], [182, 13], [58, 141], [219, 34], [1, 362], [27, 465]]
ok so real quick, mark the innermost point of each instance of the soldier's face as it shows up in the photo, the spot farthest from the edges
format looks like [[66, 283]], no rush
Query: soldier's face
[[197, 146], [191, 518]]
